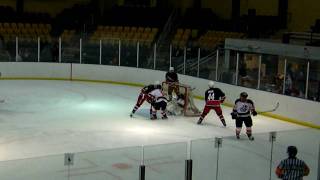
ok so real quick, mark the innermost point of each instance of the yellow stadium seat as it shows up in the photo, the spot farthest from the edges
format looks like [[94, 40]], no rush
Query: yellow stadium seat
[[116, 35], [180, 31], [126, 29], [27, 25], [134, 29], [107, 29], [140, 29], [194, 33], [100, 28], [119, 28], [17, 31], [177, 36], [34, 26], [155, 30], [137, 36], [31, 31], [48, 26], [13, 25], [10, 31], [187, 31], [145, 36], [131, 35], [113, 28], [151, 36], [42, 26], [147, 30], [6, 25]]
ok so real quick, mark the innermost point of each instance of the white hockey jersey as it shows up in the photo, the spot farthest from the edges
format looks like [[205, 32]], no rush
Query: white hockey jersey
[[157, 95]]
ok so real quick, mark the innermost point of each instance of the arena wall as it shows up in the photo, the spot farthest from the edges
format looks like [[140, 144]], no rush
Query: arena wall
[[291, 109]]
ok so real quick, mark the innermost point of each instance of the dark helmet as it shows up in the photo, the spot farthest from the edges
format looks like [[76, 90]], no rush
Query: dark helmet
[[244, 94], [292, 151]]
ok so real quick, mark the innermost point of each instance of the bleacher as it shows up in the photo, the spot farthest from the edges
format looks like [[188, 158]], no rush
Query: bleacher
[[25, 31], [128, 35]]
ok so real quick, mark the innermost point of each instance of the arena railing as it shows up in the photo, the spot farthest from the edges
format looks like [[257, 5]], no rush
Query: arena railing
[[298, 77], [216, 158]]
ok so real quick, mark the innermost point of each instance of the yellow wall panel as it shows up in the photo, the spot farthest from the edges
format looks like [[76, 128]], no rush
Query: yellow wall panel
[[263, 7], [10, 3], [223, 8], [51, 7], [302, 14]]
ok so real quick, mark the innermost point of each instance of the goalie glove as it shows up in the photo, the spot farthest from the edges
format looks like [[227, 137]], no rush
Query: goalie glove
[[254, 113], [234, 115]]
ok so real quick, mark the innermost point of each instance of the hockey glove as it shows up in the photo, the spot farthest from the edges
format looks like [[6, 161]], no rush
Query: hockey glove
[[234, 115], [254, 113]]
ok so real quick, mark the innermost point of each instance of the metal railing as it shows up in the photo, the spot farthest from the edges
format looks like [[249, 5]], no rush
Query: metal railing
[[273, 73]]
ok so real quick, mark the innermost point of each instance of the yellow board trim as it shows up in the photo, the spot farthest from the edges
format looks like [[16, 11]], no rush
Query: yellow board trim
[[275, 116]]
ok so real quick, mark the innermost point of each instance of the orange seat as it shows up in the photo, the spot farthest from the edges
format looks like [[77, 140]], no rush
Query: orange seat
[[133, 29]]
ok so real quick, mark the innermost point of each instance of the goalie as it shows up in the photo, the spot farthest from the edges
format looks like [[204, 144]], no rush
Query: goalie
[[183, 105], [176, 106]]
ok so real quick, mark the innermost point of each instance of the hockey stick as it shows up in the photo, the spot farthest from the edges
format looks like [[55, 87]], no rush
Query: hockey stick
[[271, 110]]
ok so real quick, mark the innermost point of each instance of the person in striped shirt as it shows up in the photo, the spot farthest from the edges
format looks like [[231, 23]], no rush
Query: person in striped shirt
[[292, 168]]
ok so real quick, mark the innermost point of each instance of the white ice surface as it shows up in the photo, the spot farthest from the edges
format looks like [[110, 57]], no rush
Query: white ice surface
[[40, 118]]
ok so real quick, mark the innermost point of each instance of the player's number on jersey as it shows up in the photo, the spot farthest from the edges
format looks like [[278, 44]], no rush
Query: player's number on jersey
[[210, 97]]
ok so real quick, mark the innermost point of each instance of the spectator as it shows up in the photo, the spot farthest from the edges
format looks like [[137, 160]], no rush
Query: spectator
[[55, 52], [292, 168]]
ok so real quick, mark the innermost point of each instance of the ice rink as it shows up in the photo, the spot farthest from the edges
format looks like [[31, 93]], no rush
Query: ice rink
[[49, 118]]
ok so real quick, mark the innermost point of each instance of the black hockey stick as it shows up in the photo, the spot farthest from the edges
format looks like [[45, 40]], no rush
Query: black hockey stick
[[271, 110]]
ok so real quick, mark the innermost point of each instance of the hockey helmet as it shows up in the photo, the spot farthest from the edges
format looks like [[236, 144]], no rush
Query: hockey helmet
[[211, 84], [292, 151], [244, 94], [171, 69]]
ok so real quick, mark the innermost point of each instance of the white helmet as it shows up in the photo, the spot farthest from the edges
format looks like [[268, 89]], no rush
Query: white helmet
[[171, 69], [211, 84]]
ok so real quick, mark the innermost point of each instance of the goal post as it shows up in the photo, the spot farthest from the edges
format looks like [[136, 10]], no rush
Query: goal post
[[189, 107]]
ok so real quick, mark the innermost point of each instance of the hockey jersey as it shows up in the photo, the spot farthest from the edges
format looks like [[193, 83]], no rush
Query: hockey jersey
[[171, 77], [157, 95], [214, 96], [243, 109], [148, 89]]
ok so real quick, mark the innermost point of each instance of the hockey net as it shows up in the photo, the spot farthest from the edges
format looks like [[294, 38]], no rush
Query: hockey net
[[188, 108]]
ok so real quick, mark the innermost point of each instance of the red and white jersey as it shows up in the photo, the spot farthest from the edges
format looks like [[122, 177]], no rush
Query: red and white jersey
[[157, 95], [214, 96]]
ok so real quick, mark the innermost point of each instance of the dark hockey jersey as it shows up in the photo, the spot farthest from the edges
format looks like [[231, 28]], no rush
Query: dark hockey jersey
[[148, 89], [171, 77], [214, 96], [243, 109]]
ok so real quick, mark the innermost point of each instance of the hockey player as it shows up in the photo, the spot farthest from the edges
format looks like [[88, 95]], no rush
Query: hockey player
[[213, 97], [241, 113], [173, 81], [158, 102], [144, 96]]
